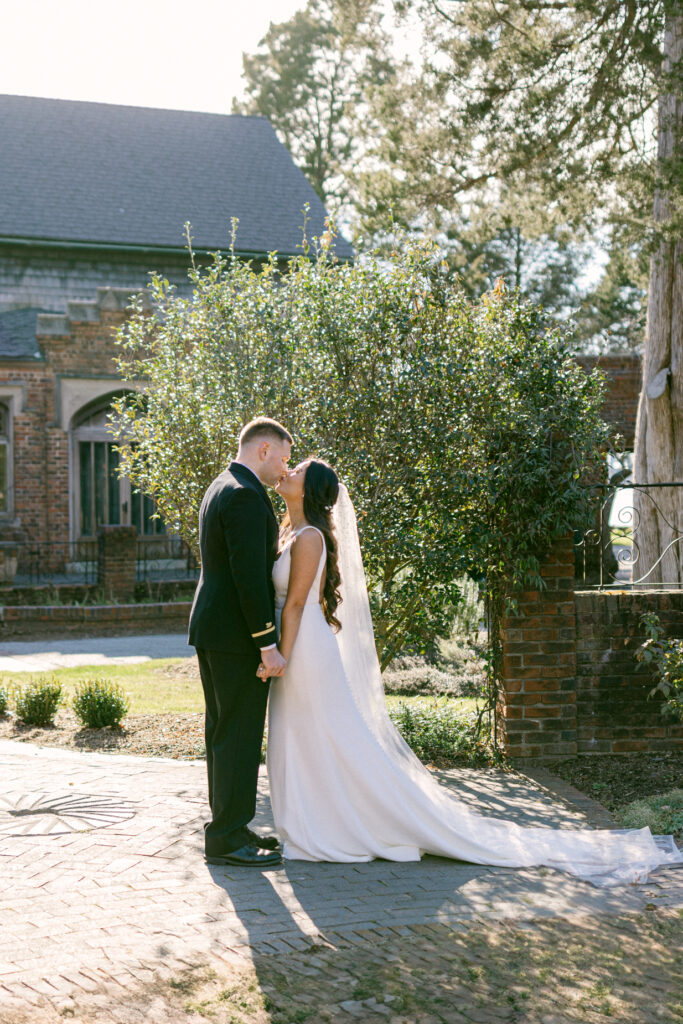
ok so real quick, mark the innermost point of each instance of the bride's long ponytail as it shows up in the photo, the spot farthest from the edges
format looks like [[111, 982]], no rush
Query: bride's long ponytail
[[321, 489]]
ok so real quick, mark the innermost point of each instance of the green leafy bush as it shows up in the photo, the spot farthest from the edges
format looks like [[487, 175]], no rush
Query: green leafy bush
[[37, 702], [470, 611], [436, 732], [662, 814], [665, 655], [4, 700], [421, 679], [98, 703], [462, 428]]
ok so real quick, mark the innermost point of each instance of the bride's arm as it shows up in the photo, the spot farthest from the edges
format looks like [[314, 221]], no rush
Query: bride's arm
[[306, 552]]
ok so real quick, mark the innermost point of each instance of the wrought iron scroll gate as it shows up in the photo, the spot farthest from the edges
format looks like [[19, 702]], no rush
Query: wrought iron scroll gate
[[629, 519]]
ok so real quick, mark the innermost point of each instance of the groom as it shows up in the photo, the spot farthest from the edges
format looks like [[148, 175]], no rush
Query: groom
[[232, 626]]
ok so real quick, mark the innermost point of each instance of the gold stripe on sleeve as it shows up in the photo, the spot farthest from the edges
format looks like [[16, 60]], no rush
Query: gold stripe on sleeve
[[271, 629]]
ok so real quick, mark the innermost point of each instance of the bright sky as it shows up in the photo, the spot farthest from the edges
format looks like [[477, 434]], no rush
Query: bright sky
[[178, 54]]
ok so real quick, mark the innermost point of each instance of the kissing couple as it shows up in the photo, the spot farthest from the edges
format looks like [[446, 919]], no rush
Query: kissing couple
[[284, 607]]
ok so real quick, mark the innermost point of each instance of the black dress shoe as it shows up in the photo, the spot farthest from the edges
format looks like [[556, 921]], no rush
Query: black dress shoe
[[246, 856], [264, 842]]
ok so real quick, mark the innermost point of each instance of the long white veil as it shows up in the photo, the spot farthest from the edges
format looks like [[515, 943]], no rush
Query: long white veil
[[356, 641], [356, 637], [603, 857]]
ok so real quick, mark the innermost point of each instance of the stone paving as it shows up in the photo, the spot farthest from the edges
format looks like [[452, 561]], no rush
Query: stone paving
[[67, 652], [104, 882]]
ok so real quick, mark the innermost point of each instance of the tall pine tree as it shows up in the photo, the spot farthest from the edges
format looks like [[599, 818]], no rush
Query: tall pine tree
[[312, 77]]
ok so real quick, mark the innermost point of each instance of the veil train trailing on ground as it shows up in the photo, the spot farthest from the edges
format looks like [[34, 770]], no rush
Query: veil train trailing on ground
[[346, 787]]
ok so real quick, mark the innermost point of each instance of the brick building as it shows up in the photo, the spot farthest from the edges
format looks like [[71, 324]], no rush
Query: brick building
[[92, 198]]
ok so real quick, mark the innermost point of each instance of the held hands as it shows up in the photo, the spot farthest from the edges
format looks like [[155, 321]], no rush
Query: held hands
[[272, 664]]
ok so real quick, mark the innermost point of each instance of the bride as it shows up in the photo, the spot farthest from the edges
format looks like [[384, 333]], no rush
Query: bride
[[344, 784]]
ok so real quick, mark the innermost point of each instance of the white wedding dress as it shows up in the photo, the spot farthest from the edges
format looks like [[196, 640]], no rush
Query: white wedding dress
[[346, 787]]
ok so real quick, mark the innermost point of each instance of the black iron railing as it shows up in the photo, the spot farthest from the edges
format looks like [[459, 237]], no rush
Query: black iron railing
[[637, 539], [24, 563], [165, 558]]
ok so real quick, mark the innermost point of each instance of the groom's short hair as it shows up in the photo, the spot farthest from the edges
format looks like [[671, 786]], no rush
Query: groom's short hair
[[262, 426]]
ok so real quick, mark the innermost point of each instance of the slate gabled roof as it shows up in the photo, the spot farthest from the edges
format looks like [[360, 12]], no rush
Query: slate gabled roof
[[18, 333], [76, 172]]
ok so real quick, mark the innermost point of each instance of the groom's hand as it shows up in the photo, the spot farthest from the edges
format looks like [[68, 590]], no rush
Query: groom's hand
[[273, 662]]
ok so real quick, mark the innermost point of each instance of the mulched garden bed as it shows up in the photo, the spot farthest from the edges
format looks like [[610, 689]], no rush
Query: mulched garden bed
[[179, 735], [616, 779]]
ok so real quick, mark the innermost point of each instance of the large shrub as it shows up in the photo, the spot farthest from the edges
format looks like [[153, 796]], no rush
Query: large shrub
[[462, 429]]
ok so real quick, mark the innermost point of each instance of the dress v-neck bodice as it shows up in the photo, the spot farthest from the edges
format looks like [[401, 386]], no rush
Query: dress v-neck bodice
[[282, 566]]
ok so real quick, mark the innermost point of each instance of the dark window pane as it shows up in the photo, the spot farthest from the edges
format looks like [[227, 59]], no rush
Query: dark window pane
[[100, 481], [114, 499], [136, 510], [143, 508], [4, 482], [149, 524], [85, 468]]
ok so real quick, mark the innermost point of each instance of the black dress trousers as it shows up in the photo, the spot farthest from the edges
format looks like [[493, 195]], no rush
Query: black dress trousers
[[235, 714], [233, 616]]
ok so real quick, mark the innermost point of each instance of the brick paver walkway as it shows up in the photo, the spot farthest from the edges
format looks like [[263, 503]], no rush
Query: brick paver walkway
[[104, 889]]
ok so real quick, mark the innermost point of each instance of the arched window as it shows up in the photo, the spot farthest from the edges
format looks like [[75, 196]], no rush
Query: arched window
[[100, 495], [5, 460]]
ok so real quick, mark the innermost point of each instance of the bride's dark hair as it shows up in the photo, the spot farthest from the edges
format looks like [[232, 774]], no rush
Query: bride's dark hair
[[321, 490]]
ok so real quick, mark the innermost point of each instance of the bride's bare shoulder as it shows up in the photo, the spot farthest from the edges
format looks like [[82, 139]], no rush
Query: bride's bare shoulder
[[307, 541]]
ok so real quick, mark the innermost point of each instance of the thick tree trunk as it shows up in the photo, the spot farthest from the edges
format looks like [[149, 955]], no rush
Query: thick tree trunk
[[659, 428]]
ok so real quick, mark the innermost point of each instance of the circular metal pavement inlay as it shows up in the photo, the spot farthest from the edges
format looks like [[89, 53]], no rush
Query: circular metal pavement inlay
[[43, 814]]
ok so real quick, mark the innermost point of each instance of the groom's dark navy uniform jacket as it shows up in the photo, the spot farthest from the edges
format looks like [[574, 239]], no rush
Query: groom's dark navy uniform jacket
[[232, 617], [233, 608]]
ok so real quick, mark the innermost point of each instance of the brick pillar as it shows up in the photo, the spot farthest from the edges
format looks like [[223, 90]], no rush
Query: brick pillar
[[116, 553], [536, 712]]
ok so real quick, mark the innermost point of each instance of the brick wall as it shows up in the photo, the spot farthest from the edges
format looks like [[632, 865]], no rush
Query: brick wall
[[570, 682], [77, 345], [623, 374], [116, 548], [614, 713], [536, 711], [41, 472], [21, 622]]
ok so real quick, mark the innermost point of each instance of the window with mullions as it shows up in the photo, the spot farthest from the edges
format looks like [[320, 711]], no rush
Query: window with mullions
[[102, 496], [143, 515], [100, 486]]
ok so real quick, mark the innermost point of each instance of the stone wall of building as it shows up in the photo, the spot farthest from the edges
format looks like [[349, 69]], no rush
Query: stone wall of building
[[78, 365], [51, 278]]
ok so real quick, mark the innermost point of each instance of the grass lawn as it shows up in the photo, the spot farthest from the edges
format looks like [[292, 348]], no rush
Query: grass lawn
[[156, 686], [172, 685]]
